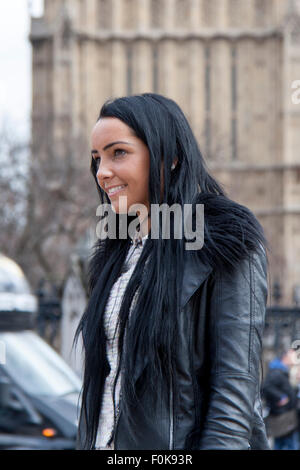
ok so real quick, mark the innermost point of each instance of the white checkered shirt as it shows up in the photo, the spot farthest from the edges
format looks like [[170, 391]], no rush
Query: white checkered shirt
[[106, 422]]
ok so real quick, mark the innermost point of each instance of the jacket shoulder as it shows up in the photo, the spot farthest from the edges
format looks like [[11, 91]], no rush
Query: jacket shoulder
[[232, 233]]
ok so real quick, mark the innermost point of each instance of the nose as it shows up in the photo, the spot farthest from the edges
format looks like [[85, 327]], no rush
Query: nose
[[104, 172]]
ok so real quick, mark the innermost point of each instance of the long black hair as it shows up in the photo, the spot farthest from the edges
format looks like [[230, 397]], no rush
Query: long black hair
[[150, 331]]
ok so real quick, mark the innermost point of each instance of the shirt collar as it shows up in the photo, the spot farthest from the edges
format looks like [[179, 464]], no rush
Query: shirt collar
[[138, 240]]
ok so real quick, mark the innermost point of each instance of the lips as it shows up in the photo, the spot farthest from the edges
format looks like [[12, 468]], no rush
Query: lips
[[115, 189]]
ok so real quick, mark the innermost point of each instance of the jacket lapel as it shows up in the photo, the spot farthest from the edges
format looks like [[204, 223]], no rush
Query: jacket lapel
[[195, 272]]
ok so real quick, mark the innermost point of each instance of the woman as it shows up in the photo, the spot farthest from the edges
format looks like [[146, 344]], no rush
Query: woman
[[172, 336]]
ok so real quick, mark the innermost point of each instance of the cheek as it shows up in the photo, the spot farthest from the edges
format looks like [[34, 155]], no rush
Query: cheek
[[140, 186], [137, 176], [142, 175]]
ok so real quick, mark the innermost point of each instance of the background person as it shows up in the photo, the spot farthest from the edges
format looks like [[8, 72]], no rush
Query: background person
[[281, 399]]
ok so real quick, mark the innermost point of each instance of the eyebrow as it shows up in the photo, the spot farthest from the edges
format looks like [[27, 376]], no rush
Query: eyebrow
[[110, 145]]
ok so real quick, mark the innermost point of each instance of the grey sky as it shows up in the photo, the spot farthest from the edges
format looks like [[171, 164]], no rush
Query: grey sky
[[15, 62]]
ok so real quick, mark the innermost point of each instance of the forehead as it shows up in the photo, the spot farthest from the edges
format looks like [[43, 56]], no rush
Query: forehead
[[108, 129]]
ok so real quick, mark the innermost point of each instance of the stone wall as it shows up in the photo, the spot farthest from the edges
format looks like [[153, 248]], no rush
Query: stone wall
[[229, 64]]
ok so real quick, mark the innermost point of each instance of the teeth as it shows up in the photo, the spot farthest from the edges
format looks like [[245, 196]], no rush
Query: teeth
[[114, 190]]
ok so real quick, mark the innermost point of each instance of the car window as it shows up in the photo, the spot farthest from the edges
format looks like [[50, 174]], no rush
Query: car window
[[35, 366]]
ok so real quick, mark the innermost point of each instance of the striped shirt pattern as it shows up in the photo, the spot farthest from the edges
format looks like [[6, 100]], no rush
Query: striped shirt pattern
[[106, 422]]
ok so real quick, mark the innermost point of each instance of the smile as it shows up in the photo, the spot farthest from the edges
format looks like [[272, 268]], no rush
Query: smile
[[115, 190]]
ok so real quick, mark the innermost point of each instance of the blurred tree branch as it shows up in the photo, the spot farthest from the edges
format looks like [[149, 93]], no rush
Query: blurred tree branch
[[46, 205]]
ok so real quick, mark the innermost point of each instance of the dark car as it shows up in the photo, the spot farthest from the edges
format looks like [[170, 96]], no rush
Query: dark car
[[39, 392]]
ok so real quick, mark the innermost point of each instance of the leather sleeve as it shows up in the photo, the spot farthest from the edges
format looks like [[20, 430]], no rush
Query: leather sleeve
[[237, 314]]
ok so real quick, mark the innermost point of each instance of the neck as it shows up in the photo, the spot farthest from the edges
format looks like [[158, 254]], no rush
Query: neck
[[145, 224]]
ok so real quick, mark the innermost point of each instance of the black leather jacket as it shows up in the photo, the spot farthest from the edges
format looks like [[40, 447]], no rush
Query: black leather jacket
[[214, 401]]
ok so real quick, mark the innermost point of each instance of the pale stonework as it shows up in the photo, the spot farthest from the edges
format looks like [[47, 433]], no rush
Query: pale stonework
[[229, 64]]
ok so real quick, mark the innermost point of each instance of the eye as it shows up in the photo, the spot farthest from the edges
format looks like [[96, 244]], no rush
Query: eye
[[119, 152]]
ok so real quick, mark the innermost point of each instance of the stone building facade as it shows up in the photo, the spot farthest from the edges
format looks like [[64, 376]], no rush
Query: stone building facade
[[230, 64]]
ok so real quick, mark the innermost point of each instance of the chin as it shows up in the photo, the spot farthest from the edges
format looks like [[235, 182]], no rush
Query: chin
[[120, 204], [119, 209]]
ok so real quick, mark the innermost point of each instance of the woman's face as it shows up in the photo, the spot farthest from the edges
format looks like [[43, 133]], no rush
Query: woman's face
[[123, 163]]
